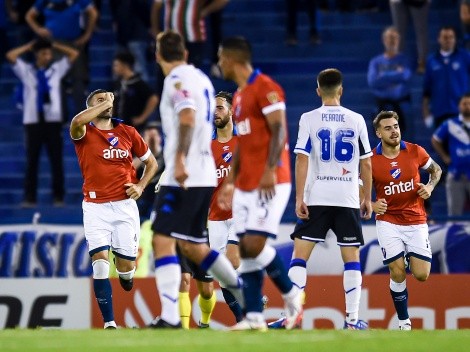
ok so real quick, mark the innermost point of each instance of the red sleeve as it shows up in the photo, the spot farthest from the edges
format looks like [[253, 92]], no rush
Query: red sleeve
[[423, 156], [139, 147], [269, 93]]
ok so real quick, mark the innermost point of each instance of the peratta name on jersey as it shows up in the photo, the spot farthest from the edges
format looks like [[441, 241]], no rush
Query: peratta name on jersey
[[397, 188], [115, 153]]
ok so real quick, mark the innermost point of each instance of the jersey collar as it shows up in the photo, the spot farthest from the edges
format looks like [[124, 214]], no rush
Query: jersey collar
[[115, 120], [253, 76], [379, 147]]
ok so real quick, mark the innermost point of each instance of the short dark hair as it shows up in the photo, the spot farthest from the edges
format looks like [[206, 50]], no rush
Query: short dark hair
[[92, 94], [170, 45], [126, 58], [41, 44], [329, 79], [384, 115], [225, 95], [240, 46], [466, 95]]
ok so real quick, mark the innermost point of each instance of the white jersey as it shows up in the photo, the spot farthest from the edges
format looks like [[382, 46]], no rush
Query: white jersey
[[334, 138], [188, 87]]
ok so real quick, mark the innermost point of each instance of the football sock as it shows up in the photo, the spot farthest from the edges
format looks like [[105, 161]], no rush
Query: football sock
[[275, 269], [352, 281], [104, 298], [298, 272], [207, 307], [127, 275], [168, 277], [252, 285], [185, 309], [400, 298], [232, 304], [102, 288], [222, 270]]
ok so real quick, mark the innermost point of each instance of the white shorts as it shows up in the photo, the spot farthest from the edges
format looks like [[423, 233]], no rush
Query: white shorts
[[251, 215], [114, 225], [221, 233], [399, 240]]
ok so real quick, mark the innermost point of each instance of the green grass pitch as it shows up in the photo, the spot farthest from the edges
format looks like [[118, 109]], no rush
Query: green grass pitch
[[224, 341]]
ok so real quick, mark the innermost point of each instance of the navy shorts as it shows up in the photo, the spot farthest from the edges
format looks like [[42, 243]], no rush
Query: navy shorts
[[188, 266], [182, 214], [344, 222]]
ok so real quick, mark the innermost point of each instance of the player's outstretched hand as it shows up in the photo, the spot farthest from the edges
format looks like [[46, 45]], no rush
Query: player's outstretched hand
[[424, 191], [380, 206], [133, 190]]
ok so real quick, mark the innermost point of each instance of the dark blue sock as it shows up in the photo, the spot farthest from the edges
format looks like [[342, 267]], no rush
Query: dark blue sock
[[233, 304], [400, 301], [278, 273], [104, 297], [252, 284]]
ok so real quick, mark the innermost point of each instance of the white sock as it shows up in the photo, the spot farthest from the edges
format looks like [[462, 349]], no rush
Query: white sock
[[223, 271], [168, 279], [352, 281], [126, 275], [298, 276]]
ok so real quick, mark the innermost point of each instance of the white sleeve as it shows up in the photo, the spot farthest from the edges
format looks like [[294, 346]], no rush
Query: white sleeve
[[304, 143], [364, 145], [20, 68], [62, 66]]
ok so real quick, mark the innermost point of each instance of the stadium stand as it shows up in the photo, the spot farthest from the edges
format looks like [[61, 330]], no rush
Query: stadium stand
[[349, 40]]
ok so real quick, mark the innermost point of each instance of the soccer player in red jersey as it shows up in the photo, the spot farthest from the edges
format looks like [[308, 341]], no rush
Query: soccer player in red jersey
[[259, 181], [105, 148], [401, 225]]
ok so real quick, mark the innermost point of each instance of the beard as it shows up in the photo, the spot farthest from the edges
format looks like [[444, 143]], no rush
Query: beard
[[106, 115], [221, 123]]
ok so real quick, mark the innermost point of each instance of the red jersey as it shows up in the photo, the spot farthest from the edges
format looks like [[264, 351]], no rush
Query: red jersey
[[250, 105], [223, 155], [105, 159], [396, 181]]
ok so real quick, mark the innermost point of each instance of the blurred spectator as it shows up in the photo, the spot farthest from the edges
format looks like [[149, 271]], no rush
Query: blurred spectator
[[446, 79], [292, 7], [17, 12], [418, 10], [42, 112], [389, 76], [451, 141], [192, 30], [135, 100], [133, 35], [63, 22], [154, 140], [215, 22], [465, 21], [3, 32]]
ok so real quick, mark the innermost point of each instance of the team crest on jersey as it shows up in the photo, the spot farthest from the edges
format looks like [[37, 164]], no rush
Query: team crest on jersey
[[113, 141], [227, 157], [273, 97], [395, 173]]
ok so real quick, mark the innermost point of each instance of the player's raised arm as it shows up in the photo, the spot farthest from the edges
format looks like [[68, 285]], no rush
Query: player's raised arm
[[78, 123]]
